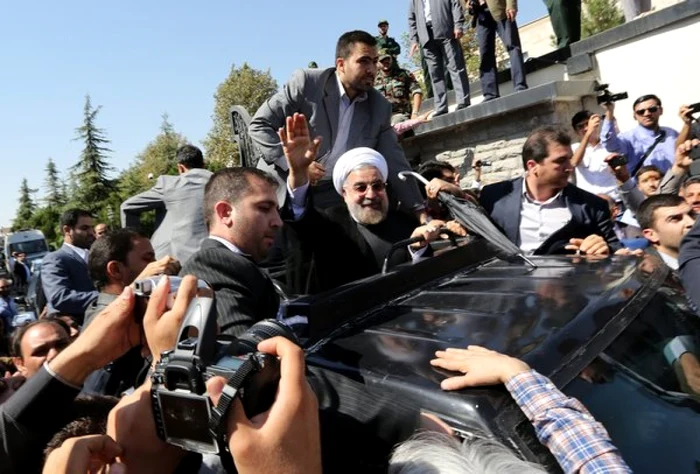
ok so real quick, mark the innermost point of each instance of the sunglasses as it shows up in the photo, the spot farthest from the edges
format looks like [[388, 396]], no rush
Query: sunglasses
[[651, 110], [376, 186]]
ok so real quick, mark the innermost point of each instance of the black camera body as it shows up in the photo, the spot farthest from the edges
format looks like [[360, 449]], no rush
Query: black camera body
[[607, 97], [618, 160], [183, 413]]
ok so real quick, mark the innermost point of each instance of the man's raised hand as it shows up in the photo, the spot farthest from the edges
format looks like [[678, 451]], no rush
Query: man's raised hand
[[297, 145]]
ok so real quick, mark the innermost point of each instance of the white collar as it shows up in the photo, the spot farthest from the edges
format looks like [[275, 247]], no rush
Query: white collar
[[344, 95], [532, 199], [82, 253], [668, 260], [228, 244]]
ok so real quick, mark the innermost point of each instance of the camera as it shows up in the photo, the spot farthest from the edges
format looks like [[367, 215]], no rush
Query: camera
[[183, 413], [481, 163], [607, 97], [694, 109], [144, 288], [618, 160]]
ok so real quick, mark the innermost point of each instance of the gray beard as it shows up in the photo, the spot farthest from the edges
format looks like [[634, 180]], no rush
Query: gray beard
[[367, 215]]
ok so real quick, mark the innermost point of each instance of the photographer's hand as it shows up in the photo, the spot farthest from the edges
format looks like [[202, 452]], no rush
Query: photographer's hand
[[609, 108], [684, 114], [621, 173], [162, 327], [285, 439], [682, 162], [109, 336], [84, 455]]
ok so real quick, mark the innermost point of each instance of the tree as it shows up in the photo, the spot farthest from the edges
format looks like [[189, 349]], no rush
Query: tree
[[598, 16], [244, 86], [55, 196], [92, 186], [26, 207]]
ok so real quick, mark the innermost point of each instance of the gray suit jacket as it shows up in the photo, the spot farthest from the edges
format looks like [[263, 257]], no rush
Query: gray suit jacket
[[66, 283], [315, 93], [178, 201], [446, 17]]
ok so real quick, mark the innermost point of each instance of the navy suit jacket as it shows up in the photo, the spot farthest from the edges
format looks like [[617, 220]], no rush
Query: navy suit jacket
[[589, 215], [66, 282]]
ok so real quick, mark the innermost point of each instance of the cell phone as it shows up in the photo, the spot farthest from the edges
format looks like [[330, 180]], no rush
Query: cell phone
[[618, 160], [695, 153]]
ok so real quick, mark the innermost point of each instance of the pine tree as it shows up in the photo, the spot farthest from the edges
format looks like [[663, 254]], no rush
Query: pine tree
[[599, 15], [93, 187], [244, 86], [26, 207], [55, 196]]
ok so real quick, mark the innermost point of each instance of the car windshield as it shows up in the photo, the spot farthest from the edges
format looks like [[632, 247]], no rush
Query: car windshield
[[29, 246], [641, 392]]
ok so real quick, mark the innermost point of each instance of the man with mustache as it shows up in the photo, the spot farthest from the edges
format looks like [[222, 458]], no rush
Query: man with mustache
[[350, 240]]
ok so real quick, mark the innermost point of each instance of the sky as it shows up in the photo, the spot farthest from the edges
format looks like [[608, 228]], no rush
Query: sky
[[141, 59]]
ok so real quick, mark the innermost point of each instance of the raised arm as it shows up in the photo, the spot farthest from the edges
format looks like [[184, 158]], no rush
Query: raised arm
[[132, 208]]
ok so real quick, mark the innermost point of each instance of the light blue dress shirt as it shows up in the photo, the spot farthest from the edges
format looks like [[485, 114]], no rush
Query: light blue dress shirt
[[634, 143]]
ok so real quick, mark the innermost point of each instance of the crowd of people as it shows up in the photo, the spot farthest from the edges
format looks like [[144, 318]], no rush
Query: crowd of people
[[76, 396]]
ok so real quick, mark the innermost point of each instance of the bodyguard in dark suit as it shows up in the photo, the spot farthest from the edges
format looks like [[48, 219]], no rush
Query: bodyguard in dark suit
[[345, 110], [240, 208], [544, 213], [437, 26], [491, 17], [64, 273], [178, 204]]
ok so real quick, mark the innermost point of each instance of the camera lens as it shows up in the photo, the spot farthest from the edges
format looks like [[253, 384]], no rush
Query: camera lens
[[266, 329]]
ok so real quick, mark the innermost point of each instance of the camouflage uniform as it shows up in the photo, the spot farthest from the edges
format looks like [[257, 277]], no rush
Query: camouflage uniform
[[390, 44], [398, 87]]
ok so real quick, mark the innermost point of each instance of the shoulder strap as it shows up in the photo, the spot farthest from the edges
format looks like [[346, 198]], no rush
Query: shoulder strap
[[659, 139]]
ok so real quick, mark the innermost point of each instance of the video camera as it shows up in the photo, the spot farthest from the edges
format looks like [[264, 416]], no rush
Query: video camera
[[183, 413], [606, 97]]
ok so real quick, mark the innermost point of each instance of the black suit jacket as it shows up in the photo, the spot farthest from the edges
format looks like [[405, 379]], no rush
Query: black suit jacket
[[589, 215], [244, 292], [341, 252]]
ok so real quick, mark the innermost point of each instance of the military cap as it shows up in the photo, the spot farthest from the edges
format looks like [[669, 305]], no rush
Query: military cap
[[384, 53], [382, 22]]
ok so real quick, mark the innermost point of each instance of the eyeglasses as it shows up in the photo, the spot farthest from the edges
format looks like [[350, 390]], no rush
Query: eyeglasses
[[652, 110], [376, 186]]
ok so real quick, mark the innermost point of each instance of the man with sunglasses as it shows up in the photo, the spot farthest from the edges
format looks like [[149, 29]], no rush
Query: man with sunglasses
[[647, 142], [349, 241]]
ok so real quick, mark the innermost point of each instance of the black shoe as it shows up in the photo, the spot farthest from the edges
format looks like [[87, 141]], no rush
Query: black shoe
[[463, 106]]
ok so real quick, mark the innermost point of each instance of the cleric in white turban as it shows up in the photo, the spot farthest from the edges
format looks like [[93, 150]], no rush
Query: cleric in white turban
[[355, 159]]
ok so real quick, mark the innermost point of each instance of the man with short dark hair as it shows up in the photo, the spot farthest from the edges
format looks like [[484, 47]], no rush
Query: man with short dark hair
[[342, 108], [664, 220], [648, 141], [64, 273], [437, 26], [543, 213], [178, 204], [37, 342], [240, 209], [592, 171], [384, 41], [690, 190]]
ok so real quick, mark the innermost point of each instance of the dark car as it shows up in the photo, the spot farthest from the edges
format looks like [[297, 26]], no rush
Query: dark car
[[596, 327]]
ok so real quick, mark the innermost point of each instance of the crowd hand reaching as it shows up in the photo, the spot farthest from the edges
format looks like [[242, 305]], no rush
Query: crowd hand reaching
[[591, 245], [691, 370], [479, 366], [109, 336], [621, 173], [429, 232], [511, 14], [683, 159], [299, 150], [9, 385], [437, 185], [316, 172], [165, 266], [85, 454], [285, 439], [684, 114], [629, 252], [161, 326], [456, 228]]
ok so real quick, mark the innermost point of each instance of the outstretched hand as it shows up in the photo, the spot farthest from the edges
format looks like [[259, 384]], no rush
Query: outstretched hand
[[479, 366], [299, 150]]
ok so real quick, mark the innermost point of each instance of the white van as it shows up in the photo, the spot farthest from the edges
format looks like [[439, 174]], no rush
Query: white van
[[31, 242]]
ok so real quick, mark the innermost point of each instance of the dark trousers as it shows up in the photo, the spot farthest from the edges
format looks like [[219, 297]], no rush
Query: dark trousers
[[426, 79], [486, 29], [566, 20], [436, 52]]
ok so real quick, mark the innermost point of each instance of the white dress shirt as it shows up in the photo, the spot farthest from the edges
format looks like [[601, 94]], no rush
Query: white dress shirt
[[539, 220], [593, 174], [426, 11], [668, 260], [228, 244], [82, 253]]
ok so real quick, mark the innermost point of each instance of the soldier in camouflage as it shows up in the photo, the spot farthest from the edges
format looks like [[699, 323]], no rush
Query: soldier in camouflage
[[384, 41], [399, 87]]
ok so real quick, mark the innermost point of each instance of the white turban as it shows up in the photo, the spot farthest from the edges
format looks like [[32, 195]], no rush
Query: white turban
[[354, 159]]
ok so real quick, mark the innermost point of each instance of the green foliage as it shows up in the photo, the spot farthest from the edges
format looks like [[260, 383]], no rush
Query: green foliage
[[26, 208], [244, 86], [598, 16], [55, 188], [92, 187], [46, 219]]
